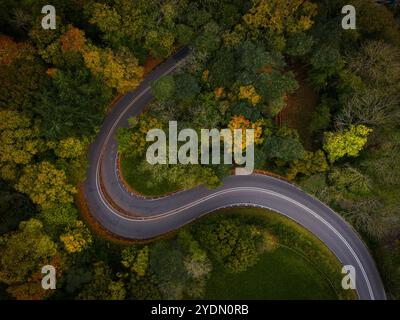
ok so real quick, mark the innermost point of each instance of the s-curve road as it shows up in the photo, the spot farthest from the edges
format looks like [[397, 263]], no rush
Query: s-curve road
[[132, 217]]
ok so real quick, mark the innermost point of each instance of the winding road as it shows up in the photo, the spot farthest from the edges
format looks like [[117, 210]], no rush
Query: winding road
[[133, 217]]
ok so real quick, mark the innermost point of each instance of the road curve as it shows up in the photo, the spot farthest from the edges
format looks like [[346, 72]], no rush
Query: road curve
[[132, 217]]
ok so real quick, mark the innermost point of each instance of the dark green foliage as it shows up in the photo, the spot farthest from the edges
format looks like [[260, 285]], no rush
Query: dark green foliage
[[72, 104], [283, 148], [187, 87]]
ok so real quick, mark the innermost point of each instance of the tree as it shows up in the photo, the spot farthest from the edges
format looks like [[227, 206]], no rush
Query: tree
[[196, 262], [312, 162], [372, 107], [348, 142], [72, 104], [252, 58], [45, 185], [119, 69], [102, 286], [230, 244], [246, 110], [280, 16], [132, 140], [29, 247], [222, 69], [377, 63], [249, 93], [274, 87], [19, 142], [166, 262], [70, 147], [57, 218], [160, 42], [21, 74], [326, 61], [187, 86], [283, 147], [77, 237], [321, 118], [240, 122], [164, 88], [376, 21], [209, 40], [14, 208], [350, 181], [136, 260], [299, 44]]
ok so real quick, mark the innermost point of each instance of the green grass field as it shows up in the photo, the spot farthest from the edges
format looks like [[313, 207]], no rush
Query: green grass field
[[281, 274]]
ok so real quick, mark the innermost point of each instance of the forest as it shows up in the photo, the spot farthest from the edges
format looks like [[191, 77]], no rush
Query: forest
[[324, 103]]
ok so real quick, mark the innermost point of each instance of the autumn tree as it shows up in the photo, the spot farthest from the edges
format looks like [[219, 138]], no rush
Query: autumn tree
[[240, 122], [348, 142], [30, 247], [77, 237], [19, 142], [70, 147], [119, 69], [21, 74], [46, 185], [280, 16]]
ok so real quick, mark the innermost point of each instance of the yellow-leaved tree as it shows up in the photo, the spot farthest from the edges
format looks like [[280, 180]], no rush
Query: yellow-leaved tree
[[119, 70], [281, 16], [19, 142], [76, 238], [348, 142], [46, 185], [240, 122]]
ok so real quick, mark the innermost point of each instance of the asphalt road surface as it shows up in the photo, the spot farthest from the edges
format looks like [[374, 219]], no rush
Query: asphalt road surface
[[133, 217]]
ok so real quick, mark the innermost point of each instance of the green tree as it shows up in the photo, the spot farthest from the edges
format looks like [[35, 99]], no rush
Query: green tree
[[299, 44], [283, 148], [72, 104], [222, 69], [164, 88], [132, 140], [312, 162], [233, 246], [102, 286], [187, 86]]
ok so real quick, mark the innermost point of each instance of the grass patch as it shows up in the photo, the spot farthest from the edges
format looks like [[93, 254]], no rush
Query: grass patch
[[281, 274], [301, 268], [142, 180]]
